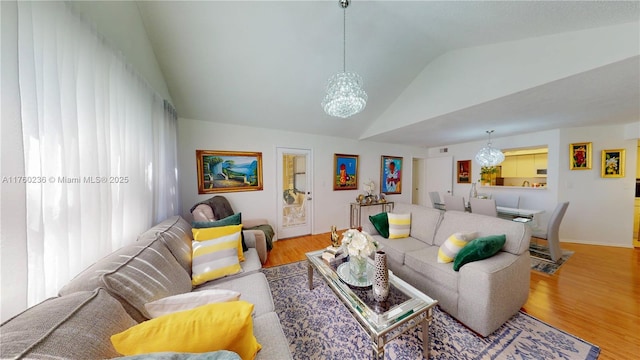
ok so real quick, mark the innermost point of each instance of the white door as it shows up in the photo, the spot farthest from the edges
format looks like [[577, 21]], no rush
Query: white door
[[417, 184], [439, 175], [294, 194]]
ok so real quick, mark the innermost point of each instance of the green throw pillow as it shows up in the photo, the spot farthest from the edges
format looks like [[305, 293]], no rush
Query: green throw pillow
[[235, 219], [381, 223], [478, 249]]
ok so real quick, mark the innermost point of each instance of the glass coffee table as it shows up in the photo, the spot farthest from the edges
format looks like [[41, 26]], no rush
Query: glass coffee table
[[405, 308]]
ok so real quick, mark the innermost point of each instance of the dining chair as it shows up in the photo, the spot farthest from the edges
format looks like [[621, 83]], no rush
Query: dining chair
[[452, 202], [484, 207], [435, 200], [553, 228], [507, 200]]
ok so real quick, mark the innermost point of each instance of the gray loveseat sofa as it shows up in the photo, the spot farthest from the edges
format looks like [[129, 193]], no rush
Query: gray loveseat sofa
[[483, 294], [109, 297]]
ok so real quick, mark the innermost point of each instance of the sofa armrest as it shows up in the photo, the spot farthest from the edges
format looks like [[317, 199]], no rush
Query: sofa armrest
[[256, 239], [249, 223]]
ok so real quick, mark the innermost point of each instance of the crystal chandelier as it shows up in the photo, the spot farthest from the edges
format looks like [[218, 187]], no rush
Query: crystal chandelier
[[488, 155], [345, 96]]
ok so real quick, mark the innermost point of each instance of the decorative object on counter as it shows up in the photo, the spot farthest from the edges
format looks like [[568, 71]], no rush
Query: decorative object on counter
[[380, 277], [335, 240], [345, 96], [612, 163], [488, 155], [345, 172], [473, 192], [391, 175], [359, 245], [487, 174], [464, 171], [580, 156]]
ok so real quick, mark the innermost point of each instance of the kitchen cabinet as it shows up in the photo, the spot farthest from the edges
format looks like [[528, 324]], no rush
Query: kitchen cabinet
[[509, 166], [525, 166]]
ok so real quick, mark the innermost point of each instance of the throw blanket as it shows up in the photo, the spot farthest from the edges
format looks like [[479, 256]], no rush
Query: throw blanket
[[268, 234]]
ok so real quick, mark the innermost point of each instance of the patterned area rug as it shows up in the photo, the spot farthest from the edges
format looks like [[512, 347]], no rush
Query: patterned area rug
[[541, 261], [319, 326]]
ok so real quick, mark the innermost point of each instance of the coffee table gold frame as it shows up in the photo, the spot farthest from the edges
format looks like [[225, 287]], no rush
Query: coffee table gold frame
[[381, 321]]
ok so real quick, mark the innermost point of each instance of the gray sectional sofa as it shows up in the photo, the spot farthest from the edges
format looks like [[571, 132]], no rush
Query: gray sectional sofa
[[483, 294], [109, 297]]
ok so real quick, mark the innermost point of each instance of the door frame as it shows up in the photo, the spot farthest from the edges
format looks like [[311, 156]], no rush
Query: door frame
[[307, 228]]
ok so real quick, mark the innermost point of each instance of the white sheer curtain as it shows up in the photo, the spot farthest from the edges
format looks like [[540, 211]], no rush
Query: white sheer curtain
[[99, 146]]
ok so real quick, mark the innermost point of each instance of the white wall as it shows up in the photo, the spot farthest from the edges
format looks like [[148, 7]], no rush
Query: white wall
[[329, 207], [600, 209]]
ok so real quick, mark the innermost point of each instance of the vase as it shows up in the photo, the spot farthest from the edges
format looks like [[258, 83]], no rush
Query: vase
[[473, 193], [380, 277], [358, 267]]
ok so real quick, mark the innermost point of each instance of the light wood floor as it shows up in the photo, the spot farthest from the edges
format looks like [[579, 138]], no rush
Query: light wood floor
[[595, 295]]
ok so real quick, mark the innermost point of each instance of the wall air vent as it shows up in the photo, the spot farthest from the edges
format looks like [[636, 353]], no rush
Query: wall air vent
[[444, 150]]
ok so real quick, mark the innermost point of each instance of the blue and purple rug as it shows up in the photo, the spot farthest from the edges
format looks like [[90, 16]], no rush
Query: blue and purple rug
[[319, 326]]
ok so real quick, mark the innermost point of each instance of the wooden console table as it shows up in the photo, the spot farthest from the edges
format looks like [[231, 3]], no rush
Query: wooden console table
[[356, 211]]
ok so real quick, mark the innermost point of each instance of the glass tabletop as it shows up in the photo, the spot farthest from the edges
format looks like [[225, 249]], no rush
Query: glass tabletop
[[404, 302]]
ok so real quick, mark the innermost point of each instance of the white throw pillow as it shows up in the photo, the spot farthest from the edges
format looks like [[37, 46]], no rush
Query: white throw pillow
[[188, 301]]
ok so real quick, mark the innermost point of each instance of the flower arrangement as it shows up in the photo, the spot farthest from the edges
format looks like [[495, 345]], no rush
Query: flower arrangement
[[369, 186], [358, 243]]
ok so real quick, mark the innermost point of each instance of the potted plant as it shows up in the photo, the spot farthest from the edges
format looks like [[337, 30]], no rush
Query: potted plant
[[486, 174]]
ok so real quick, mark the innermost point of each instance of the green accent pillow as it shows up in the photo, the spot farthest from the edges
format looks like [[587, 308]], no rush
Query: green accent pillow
[[235, 219], [381, 223], [478, 249]]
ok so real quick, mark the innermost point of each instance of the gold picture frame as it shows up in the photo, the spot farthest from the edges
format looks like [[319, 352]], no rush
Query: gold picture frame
[[391, 174], [580, 156], [228, 171], [613, 162], [345, 172]]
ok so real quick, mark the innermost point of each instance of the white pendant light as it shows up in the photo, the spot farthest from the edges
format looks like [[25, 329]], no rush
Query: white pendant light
[[488, 155], [345, 96]]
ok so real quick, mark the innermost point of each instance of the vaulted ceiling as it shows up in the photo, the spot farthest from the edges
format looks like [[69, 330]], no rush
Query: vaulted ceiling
[[436, 72]]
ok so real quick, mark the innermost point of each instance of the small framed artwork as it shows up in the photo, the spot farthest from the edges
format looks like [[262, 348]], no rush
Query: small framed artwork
[[464, 171], [228, 171], [612, 163], [345, 172], [580, 156], [391, 175]]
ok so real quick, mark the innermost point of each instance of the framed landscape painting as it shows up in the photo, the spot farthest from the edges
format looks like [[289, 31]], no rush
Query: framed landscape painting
[[391, 175], [580, 156], [345, 172], [612, 163], [228, 171], [464, 172]]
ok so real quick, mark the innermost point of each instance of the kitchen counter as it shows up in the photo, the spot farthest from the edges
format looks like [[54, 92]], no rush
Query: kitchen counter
[[513, 187]]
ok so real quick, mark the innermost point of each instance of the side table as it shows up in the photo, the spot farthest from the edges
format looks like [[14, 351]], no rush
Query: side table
[[356, 211]]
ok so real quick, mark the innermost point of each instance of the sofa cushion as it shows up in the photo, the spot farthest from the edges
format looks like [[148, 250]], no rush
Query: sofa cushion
[[219, 326], [188, 301], [381, 223], [424, 261], [478, 249], [452, 246], [235, 219], [268, 332], [77, 326], [517, 234], [175, 232], [253, 288], [424, 221], [216, 253], [399, 225], [396, 248], [135, 275]]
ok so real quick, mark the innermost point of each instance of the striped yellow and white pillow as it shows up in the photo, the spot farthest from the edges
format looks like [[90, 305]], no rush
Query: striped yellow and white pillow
[[452, 246], [215, 253], [399, 225]]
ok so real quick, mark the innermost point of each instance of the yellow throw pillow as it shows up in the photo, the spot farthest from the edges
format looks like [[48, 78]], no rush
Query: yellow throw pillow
[[452, 246], [202, 234], [399, 225], [219, 326], [215, 253]]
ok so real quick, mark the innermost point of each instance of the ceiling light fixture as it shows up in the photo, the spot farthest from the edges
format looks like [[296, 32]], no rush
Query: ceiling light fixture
[[488, 155], [345, 96]]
